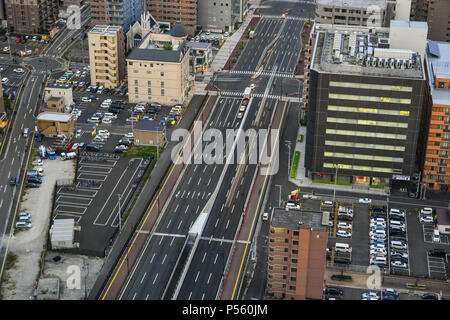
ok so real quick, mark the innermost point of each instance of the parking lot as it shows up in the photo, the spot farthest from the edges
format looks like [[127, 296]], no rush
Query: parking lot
[[428, 229], [24, 49], [104, 183], [14, 78]]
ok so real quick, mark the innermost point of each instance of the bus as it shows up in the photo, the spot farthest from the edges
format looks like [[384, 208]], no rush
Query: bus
[[247, 92]]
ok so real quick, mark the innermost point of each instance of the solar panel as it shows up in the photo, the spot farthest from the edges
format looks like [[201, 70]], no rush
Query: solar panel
[[433, 48]]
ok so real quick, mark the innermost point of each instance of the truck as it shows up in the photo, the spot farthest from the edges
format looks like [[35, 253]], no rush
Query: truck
[[67, 156], [247, 92], [252, 34], [51, 153]]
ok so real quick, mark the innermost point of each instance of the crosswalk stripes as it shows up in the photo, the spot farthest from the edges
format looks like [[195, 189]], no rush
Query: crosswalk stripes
[[254, 95], [268, 16], [264, 73]]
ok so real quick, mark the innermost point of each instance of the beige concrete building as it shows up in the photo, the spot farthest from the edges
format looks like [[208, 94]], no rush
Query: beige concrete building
[[52, 124], [31, 16], [158, 69], [57, 92], [106, 56], [53, 104], [149, 133]]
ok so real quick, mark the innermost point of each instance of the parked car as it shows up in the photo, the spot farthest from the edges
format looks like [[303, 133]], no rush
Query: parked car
[[437, 253], [86, 99], [334, 291], [19, 70], [33, 185], [370, 294], [426, 211], [343, 233], [426, 219], [430, 296], [399, 254], [399, 264], [23, 225], [292, 205]]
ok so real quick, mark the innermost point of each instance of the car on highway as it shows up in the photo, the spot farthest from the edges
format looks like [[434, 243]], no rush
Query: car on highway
[[343, 234], [430, 296], [240, 115], [242, 108], [265, 216], [365, 200], [13, 181]]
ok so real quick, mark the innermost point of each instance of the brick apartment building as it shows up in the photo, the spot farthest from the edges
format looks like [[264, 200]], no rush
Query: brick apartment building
[[437, 165], [175, 10], [31, 16], [297, 255]]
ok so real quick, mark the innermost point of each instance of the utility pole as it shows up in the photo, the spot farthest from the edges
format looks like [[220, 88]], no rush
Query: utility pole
[[418, 183]]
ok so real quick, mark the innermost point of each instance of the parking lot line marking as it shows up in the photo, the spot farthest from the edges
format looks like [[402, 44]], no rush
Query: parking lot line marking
[[165, 256], [169, 224], [179, 225], [73, 212], [143, 277], [65, 215], [156, 277], [1, 203], [151, 261]]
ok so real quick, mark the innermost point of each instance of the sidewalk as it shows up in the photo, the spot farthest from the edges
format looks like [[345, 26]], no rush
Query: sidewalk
[[223, 54], [302, 181]]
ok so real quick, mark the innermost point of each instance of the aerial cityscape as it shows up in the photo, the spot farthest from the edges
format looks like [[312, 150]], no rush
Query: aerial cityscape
[[225, 150]]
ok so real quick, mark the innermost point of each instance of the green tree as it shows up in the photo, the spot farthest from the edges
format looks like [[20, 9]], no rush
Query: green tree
[[167, 46]]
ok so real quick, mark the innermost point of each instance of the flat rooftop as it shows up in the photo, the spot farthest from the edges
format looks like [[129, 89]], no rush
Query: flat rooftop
[[438, 61], [105, 30], [357, 51], [352, 3], [297, 219]]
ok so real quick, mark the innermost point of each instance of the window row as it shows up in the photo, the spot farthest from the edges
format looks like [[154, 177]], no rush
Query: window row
[[369, 110], [366, 134], [368, 98], [369, 86], [368, 122], [364, 145], [362, 168], [362, 156]]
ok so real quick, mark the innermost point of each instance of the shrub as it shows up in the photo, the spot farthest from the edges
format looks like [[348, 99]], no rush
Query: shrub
[[341, 277], [295, 164], [233, 61]]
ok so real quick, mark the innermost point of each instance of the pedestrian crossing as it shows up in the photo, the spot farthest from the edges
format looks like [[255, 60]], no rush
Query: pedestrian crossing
[[264, 73], [253, 95], [269, 16]]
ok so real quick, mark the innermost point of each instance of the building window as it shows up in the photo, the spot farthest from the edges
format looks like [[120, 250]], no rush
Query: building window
[[162, 84], [135, 71], [136, 82], [294, 251], [294, 260], [149, 72], [162, 92], [295, 242], [136, 90], [149, 91], [149, 83], [293, 269], [162, 74]]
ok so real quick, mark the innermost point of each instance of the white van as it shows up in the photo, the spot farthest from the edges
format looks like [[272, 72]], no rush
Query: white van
[[397, 212], [398, 245], [25, 133], [342, 247]]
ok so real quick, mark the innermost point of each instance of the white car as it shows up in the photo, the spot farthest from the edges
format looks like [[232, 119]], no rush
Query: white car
[[365, 200], [371, 295], [129, 135], [399, 254], [86, 99], [265, 216], [343, 234], [309, 196], [377, 224], [103, 132], [426, 211], [106, 121], [4, 80], [291, 205], [19, 70], [426, 219], [78, 133], [344, 225], [38, 162], [75, 146], [398, 264], [377, 247], [5, 49], [378, 252], [93, 119]]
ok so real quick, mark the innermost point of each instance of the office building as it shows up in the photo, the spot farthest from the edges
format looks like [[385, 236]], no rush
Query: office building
[[297, 255], [184, 11], [221, 15], [366, 108], [106, 56], [158, 69], [437, 165], [31, 16], [437, 14], [122, 13]]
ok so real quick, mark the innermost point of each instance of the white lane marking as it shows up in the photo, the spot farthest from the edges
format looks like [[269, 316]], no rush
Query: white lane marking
[[221, 209], [4, 190], [216, 223], [143, 277], [134, 296], [1, 203], [232, 209], [197, 276], [203, 296], [146, 298], [209, 278], [179, 225], [185, 211], [171, 242], [155, 278], [204, 256], [160, 241], [165, 256], [169, 223], [226, 227], [177, 207], [189, 180], [190, 294], [215, 260], [151, 261]]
